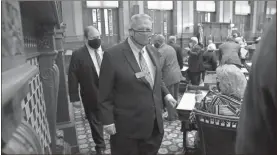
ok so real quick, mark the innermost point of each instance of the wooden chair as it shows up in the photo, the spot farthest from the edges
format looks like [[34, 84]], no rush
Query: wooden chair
[[217, 133]]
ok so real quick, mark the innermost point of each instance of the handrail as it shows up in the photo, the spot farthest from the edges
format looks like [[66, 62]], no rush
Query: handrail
[[14, 79], [32, 55]]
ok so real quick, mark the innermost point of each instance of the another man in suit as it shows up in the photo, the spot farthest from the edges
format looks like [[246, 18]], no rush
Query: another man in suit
[[229, 53], [177, 48], [131, 92], [195, 62], [171, 73], [84, 69], [257, 129]]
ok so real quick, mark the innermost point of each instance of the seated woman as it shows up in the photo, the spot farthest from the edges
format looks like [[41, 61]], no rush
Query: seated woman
[[231, 83]]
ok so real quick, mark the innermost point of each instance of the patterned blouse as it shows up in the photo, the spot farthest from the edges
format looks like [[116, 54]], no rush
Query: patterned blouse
[[219, 104]]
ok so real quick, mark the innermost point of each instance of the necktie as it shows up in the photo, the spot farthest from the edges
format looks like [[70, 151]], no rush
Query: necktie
[[144, 68], [98, 58]]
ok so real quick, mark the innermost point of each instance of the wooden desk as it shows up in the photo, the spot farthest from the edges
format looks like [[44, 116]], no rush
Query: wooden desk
[[184, 109]]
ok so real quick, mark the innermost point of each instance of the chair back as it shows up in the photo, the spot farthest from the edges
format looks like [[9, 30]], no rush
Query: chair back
[[217, 133]]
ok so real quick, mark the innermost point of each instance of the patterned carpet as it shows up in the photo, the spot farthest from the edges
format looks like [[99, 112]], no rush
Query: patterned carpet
[[172, 141]]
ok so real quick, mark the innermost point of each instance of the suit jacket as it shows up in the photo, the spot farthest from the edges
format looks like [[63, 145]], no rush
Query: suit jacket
[[229, 53], [257, 129], [126, 100], [171, 72], [195, 60], [83, 72], [178, 53], [209, 60]]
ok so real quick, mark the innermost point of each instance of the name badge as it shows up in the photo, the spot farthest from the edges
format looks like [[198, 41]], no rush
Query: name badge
[[140, 75]]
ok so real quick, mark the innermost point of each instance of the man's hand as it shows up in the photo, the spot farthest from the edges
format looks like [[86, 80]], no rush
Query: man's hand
[[76, 104], [169, 99], [110, 129]]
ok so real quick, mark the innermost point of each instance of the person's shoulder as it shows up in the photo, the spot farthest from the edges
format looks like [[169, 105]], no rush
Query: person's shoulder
[[116, 48], [153, 50], [77, 51], [169, 47], [197, 47]]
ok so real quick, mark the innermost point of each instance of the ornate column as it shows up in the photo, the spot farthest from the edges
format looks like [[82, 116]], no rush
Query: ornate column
[[49, 74], [62, 108]]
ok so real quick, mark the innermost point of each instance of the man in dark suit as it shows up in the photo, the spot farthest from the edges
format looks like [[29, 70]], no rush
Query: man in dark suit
[[257, 129], [84, 69], [131, 93], [171, 73], [177, 48], [195, 62], [229, 53]]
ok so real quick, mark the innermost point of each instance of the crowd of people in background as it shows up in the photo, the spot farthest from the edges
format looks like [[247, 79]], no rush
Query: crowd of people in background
[[126, 89]]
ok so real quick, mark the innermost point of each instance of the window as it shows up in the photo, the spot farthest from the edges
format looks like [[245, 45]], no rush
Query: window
[[96, 19], [206, 6], [102, 4], [110, 17], [106, 22], [270, 11], [160, 5], [208, 17], [242, 8]]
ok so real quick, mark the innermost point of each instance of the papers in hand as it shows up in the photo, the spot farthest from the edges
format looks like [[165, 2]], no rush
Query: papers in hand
[[188, 101], [185, 68], [249, 63], [244, 70]]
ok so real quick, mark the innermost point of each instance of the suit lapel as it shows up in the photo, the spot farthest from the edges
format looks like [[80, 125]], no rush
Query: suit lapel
[[89, 59], [129, 55]]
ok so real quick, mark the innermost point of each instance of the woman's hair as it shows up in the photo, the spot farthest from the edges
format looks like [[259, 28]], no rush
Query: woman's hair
[[232, 81]]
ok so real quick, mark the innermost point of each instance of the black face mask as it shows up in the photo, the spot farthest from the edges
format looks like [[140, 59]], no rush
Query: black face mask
[[157, 45], [95, 43]]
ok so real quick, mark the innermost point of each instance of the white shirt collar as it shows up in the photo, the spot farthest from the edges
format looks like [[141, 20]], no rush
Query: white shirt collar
[[99, 50], [134, 47]]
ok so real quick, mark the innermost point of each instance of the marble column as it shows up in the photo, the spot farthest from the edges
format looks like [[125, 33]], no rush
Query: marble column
[[49, 75], [124, 18], [253, 16], [185, 22], [63, 115]]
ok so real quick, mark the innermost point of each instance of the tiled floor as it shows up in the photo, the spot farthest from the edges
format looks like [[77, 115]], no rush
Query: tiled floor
[[172, 141]]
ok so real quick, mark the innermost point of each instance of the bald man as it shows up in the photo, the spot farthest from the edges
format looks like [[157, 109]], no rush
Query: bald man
[[131, 92], [84, 70], [171, 73]]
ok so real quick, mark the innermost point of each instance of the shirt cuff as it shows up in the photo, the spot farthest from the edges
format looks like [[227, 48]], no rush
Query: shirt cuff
[[168, 96], [106, 126]]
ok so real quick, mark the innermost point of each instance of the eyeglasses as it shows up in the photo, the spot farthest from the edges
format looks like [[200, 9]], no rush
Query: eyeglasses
[[143, 32], [97, 37]]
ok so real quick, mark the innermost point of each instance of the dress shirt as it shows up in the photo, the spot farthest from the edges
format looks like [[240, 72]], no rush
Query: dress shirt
[[145, 55], [93, 57], [148, 60]]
